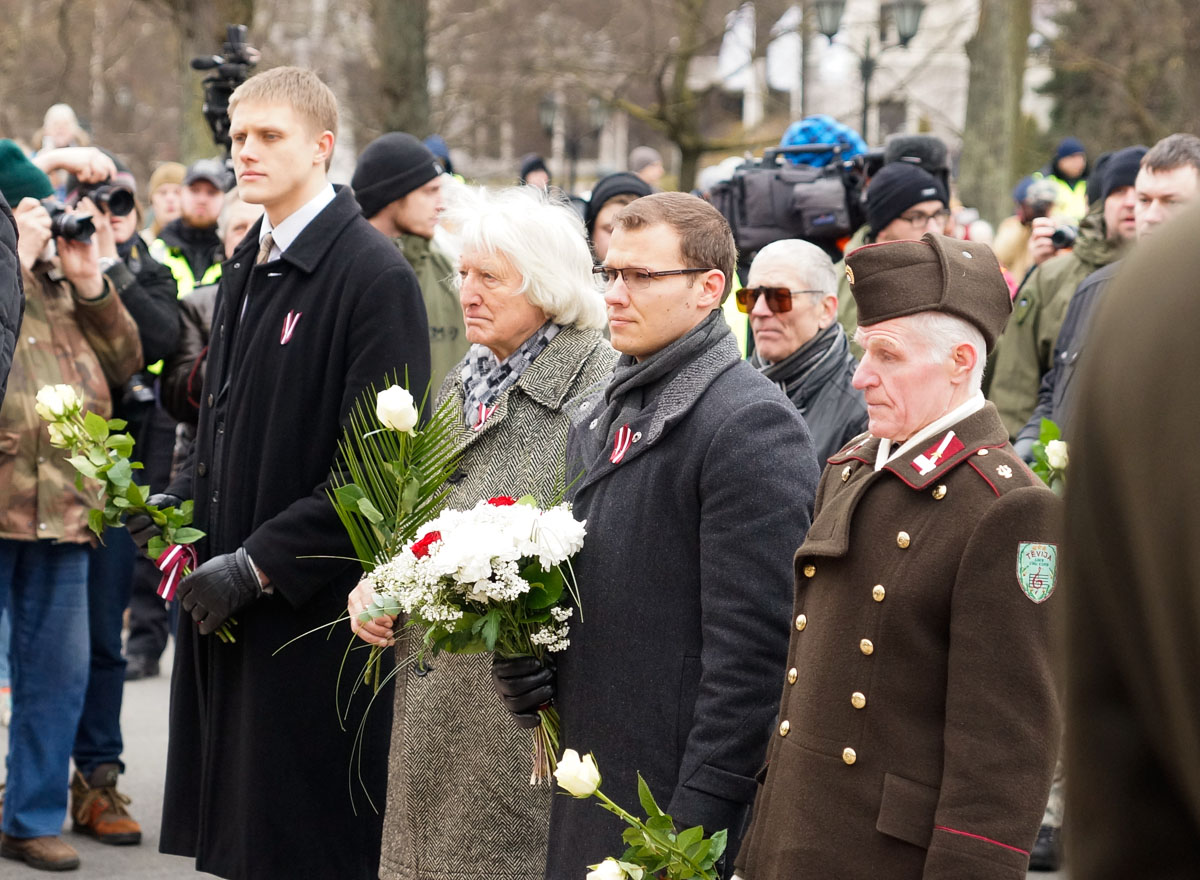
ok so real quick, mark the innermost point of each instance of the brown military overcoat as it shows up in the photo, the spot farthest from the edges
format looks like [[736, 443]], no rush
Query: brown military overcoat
[[919, 723]]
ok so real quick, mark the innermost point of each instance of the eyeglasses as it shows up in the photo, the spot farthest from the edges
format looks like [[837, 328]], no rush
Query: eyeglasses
[[920, 220], [636, 278], [779, 299]]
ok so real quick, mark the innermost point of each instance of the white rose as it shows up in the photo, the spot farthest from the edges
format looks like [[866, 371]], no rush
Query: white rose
[[609, 869], [61, 436], [395, 409], [580, 777], [1056, 454], [54, 401]]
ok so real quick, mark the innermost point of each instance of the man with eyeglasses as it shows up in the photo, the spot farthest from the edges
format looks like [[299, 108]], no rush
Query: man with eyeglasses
[[792, 303], [919, 722], [696, 478], [903, 203]]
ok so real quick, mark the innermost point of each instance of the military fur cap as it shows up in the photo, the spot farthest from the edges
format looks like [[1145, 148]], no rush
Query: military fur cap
[[936, 274]]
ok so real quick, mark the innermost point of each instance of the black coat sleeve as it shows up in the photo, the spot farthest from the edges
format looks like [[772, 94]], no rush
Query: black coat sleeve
[[389, 333], [12, 293], [150, 298]]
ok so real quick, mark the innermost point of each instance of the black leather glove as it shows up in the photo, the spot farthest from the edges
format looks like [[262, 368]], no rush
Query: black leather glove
[[524, 684], [141, 527], [218, 589]]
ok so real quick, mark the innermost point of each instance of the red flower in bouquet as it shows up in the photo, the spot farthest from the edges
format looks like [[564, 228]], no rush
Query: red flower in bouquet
[[421, 548], [502, 501]]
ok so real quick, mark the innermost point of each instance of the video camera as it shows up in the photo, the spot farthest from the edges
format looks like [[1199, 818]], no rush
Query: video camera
[[233, 67]]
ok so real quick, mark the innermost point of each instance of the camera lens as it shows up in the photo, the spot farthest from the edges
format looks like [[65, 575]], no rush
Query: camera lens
[[118, 200], [1064, 237]]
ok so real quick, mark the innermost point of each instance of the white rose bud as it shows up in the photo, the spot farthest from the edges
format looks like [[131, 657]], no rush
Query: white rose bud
[[579, 777], [396, 410], [609, 869], [61, 436], [1056, 454], [49, 404]]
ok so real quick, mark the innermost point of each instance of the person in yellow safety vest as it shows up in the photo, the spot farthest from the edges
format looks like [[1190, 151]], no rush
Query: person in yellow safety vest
[[1069, 172], [189, 246]]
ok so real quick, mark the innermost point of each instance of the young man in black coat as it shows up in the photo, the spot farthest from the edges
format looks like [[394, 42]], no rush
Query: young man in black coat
[[260, 779], [698, 478]]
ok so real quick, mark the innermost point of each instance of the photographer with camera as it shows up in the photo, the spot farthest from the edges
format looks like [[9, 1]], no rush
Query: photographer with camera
[[1023, 352], [76, 332], [148, 292]]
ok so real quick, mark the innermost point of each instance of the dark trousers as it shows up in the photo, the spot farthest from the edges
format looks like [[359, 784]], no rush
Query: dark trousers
[[110, 575]]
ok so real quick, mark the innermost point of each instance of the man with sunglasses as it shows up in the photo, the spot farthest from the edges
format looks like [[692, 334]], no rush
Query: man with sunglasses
[[792, 302], [919, 721], [696, 478], [904, 202]]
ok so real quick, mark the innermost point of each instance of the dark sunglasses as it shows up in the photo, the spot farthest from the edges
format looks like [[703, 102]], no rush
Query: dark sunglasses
[[779, 299]]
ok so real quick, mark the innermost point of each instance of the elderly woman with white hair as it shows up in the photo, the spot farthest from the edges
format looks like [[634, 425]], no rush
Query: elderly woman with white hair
[[459, 800], [792, 300]]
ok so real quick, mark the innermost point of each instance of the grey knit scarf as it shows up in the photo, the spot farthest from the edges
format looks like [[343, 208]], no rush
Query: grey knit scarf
[[485, 378]]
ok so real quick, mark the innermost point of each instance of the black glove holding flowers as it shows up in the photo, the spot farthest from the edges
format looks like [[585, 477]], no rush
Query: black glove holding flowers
[[141, 526], [218, 589], [525, 684]]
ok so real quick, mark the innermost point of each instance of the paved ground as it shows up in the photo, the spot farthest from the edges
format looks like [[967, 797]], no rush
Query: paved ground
[[144, 724]]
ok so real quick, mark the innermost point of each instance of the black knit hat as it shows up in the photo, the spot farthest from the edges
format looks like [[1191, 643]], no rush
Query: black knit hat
[[530, 163], [1121, 170], [895, 189], [391, 167], [19, 177], [621, 183]]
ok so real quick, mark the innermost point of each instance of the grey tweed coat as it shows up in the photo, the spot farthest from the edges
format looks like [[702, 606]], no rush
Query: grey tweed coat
[[459, 801]]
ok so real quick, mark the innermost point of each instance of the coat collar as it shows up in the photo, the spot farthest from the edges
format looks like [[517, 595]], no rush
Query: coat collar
[[310, 247]]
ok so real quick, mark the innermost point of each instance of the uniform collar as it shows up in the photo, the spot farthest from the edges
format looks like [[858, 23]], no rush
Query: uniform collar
[[888, 453]]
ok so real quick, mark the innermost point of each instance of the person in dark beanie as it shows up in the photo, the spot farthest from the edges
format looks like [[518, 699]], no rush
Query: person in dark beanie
[[398, 183], [1069, 171], [919, 719], [1025, 351], [609, 196], [903, 203], [76, 333], [534, 171]]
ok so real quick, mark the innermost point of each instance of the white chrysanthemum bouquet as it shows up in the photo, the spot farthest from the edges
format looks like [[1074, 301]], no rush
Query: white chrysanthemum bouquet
[[488, 579]]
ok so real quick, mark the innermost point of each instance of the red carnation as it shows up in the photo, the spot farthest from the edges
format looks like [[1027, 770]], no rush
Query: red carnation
[[421, 548], [502, 501]]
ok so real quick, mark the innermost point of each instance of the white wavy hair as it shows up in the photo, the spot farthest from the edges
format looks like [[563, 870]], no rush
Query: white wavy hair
[[544, 240], [938, 333]]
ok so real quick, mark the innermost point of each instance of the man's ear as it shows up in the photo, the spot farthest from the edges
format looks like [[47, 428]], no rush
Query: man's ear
[[711, 288], [963, 358], [324, 148]]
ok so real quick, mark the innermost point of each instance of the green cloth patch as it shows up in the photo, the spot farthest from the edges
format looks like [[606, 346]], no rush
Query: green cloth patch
[[1037, 568]]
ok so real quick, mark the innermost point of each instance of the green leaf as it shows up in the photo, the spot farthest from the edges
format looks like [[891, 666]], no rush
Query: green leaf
[[120, 474], [186, 536], [648, 803], [156, 546], [491, 628], [82, 465], [528, 501], [698, 850], [96, 521], [96, 426], [97, 456], [349, 495], [689, 837], [119, 501], [1049, 431], [121, 444], [636, 872], [117, 424], [369, 510], [136, 494], [719, 841]]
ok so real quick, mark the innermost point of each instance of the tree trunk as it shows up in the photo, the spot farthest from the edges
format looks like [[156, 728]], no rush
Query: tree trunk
[[997, 55], [400, 36]]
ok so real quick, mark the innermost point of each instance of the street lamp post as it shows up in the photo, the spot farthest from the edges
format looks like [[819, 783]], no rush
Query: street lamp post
[[574, 134], [906, 14]]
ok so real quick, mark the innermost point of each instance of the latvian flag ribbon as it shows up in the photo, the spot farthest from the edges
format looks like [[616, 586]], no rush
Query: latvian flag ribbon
[[175, 562], [621, 444]]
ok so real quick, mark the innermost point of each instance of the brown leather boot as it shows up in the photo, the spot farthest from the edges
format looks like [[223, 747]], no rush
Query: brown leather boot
[[43, 853], [98, 809]]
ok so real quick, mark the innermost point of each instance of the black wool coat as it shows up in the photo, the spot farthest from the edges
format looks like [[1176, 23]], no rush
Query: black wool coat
[[12, 293], [259, 774], [685, 585]]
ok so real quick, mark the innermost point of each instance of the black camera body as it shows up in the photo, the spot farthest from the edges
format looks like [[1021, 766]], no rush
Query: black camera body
[[113, 198], [233, 67], [1064, 237], [65, 224]]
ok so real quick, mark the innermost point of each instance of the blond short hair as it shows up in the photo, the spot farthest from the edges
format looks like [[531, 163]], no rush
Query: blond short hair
[[297, 87]]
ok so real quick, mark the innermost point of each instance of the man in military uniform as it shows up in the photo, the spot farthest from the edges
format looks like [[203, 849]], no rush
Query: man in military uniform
[[919, 724]]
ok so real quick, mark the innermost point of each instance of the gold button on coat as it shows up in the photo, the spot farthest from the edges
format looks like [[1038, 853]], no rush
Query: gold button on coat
[[878, 592], [866, 646], [849, 755], [792, 675], [939, 493], [903, 540], [784, 727], [858, 700], [810, 570], [801, 622], [846, 471]]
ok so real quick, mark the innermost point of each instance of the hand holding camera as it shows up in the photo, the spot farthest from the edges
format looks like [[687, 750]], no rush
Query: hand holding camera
[[33, 230]]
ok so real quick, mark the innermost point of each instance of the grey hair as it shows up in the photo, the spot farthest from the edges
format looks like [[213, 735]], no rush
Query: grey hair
[[542, 237], [812, 263], [232, 202], [941, 332]]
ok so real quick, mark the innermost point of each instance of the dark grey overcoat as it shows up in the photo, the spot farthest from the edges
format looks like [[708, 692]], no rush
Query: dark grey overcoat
[[12, 294], [685, 583], [259, 774]]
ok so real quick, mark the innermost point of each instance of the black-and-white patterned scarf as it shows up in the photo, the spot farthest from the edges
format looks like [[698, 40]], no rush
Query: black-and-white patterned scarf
[[484, 378]]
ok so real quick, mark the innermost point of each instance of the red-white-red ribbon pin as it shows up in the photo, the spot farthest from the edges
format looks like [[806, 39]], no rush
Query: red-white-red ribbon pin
[[621, 444], [289, 327]]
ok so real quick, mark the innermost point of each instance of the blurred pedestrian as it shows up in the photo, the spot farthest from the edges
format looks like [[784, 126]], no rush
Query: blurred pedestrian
[[166, 195], [1068, 171], [534, 172], [188, 245], [647, 163], [609, 196]]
